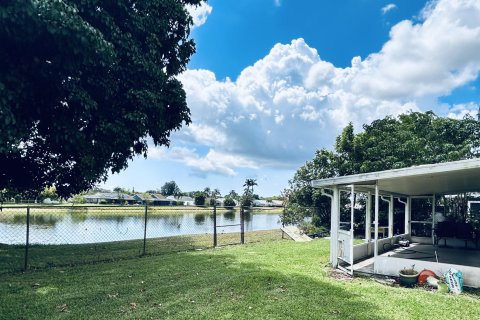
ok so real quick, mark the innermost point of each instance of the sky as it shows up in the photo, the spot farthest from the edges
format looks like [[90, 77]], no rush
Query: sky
[[272, 81]]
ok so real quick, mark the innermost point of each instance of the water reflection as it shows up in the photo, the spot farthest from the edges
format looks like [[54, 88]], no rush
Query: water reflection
[[199, 218], [39, 220], [78, 226], [229, 215]]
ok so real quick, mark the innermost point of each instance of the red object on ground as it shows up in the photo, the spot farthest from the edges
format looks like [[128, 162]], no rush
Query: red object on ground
[[423, 275]]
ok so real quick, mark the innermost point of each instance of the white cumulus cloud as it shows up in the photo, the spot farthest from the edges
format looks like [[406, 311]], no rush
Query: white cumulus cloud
[[291, 102], [199, 13], [212, 162]]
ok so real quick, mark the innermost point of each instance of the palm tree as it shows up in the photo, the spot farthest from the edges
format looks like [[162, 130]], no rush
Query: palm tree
[[250, 183]]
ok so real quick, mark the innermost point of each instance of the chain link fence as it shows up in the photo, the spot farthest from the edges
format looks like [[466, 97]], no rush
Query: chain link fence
[[37, 237]]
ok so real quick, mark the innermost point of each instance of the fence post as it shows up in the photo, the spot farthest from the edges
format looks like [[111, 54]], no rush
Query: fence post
[[145, 230], [242, 226], [214, 225], [27, 240], [283, 223]]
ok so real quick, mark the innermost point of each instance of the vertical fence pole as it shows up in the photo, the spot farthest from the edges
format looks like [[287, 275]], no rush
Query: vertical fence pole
[[145, 230], [214, 225], [283, 223], [242, 226], [27, 240]]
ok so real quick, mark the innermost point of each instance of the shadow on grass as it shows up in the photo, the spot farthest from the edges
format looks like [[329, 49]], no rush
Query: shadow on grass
[[200, 285]]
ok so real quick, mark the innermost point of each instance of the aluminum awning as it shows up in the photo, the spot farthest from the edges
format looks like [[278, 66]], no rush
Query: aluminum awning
[[441, 178]]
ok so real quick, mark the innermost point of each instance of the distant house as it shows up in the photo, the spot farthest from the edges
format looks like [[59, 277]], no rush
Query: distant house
[[267, 203], [160, 200], [50, 201], [277, 203], [187, 201], [143, 198], [260, 203], [109, 198]]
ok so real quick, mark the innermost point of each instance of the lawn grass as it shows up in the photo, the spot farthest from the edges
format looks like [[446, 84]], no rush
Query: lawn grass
[[12, 257], [266, 280]]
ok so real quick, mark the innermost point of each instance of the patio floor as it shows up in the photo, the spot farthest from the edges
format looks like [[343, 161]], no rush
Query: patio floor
[[465, 257]]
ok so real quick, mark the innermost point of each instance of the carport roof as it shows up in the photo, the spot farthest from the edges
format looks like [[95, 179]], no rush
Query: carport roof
[[440, 178]]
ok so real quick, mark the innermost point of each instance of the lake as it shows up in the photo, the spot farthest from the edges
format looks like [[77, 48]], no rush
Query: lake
[[69, 227]]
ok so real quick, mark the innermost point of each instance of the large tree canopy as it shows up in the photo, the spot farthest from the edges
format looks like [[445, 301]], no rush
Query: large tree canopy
[[170, 189], [410, 139], [84, 84]]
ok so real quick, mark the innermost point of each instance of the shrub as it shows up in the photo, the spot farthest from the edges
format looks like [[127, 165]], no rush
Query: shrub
[[229, 202]]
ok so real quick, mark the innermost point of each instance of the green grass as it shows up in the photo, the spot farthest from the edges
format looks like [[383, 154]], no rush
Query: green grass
[[45, 256], [267, 280]]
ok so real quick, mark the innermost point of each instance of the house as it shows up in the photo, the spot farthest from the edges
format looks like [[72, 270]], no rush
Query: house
[[267, 203], [160, 200], [261, 203], [142, 198], [187, 201], [109, 198], [399, 187]]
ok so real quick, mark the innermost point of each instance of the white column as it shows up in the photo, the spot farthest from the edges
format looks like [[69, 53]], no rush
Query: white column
[[433, 219], [368, 218], [334, 226], [408, 216], [352, 213], [390, 217], [375, 251]]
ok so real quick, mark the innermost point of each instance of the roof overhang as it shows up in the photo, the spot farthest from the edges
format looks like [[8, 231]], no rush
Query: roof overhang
[[441, 178]]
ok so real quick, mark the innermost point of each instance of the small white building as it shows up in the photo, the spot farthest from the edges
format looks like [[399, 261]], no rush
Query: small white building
[[375, 254]]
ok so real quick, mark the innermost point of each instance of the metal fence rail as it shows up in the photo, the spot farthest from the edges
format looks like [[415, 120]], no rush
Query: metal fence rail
[[35, 237]]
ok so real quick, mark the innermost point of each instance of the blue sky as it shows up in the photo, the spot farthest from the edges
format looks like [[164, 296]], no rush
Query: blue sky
[[274, 80]]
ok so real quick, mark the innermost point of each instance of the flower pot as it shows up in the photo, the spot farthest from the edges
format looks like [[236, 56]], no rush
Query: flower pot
[[408, 277]]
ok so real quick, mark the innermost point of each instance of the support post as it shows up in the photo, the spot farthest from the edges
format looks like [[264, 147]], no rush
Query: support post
[[27, 240], [375, 250], [145, 230], [433, 218], [390, 217], [242, 226], [407, 214], [408, 223], [214, 225], [368, 218], [352, 216], [335, 225]]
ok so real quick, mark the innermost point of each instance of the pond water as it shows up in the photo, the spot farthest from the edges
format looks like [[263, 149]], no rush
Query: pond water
[[73, 228]]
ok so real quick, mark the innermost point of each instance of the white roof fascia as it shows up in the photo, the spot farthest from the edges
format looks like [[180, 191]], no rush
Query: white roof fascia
[[442, 178], [372, 177]]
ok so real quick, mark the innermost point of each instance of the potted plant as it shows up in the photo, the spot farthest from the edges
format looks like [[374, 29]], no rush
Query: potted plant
[[408, 277]]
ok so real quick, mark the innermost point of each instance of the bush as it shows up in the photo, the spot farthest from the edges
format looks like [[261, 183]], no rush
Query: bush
[[199, 199], [229, 202], [78, 199], [309, 228]]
